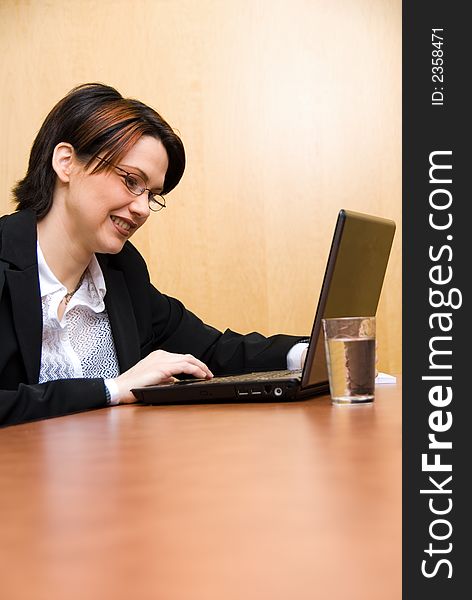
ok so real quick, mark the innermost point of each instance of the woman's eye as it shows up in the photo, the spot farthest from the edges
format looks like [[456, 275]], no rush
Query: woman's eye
[[134, 183]]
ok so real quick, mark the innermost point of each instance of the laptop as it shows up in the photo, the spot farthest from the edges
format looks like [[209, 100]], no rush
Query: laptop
[[351, 287]]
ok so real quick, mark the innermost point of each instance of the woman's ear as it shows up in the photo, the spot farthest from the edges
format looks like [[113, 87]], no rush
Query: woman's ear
[[62, 160]]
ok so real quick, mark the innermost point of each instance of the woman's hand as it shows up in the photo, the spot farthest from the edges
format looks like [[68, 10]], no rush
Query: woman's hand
[[158, 367]]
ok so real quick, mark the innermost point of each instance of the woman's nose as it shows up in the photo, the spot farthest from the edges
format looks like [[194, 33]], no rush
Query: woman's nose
[[140, 206]]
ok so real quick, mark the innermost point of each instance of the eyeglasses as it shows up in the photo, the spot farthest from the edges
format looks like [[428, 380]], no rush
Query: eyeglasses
[[137, 186]]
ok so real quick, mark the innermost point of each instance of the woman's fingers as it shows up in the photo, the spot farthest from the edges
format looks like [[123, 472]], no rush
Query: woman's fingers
[[159, 367], [173, 364]]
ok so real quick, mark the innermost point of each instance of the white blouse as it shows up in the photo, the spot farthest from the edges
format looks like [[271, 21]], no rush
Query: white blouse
[[81, 343]]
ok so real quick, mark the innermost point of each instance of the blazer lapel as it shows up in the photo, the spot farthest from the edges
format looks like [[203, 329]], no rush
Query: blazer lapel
[[21, 276], [121, 315], [27, 317]]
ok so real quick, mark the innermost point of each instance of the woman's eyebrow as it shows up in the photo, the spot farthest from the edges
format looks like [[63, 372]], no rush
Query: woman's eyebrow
[[142, 173]]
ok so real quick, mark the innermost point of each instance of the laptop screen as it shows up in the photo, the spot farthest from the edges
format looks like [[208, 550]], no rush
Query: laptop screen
[[352, 282]]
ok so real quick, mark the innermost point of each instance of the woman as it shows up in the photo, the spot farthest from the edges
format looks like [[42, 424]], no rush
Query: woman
[[80, 322]]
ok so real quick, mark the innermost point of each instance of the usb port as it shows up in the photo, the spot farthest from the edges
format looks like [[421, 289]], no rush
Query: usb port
[[241, 393], [256, 392]]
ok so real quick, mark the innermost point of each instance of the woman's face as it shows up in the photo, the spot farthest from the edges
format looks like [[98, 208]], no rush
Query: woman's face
[[102, 212]]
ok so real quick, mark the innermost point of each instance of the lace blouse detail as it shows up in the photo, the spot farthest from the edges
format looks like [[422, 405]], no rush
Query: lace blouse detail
[[81, 344]]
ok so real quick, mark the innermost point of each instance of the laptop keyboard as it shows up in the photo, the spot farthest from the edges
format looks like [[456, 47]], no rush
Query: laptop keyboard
[[248, 377]]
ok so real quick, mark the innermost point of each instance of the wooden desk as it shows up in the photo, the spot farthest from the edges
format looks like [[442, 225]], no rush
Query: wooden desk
[[243, 502]]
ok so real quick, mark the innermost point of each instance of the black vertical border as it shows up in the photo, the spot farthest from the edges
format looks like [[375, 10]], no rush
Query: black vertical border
[[428, 128]]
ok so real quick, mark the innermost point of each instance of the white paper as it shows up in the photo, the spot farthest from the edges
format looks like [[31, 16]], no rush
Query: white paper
[[385, 378]]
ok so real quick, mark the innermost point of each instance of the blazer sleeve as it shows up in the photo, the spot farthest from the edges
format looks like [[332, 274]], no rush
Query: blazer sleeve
[[50, 399], [165, 323], [177, 329]]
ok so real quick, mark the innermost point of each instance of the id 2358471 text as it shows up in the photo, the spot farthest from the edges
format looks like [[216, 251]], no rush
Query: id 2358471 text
[[437, 67]]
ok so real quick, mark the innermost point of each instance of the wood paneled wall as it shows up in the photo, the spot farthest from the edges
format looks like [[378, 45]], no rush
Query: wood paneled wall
[[289, 110]]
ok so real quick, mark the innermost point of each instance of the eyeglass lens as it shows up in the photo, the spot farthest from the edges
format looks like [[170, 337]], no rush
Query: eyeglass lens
[[136, 185]]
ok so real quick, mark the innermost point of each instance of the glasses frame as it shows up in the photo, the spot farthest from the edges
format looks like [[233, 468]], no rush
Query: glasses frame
[[156, 202]]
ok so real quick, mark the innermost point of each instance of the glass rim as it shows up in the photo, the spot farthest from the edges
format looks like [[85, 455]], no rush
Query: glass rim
[[347, 318]]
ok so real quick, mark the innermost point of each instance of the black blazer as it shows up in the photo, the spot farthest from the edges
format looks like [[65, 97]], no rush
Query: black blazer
[[141, 318]]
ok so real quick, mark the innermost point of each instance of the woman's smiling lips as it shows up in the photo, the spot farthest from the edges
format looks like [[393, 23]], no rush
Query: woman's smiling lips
[[124, 226]]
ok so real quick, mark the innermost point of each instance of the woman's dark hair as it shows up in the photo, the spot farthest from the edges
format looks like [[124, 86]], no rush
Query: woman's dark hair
[[97, 121]]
